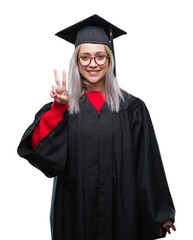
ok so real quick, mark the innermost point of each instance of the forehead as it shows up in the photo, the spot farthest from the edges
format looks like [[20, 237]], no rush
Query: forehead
[[91, 48]]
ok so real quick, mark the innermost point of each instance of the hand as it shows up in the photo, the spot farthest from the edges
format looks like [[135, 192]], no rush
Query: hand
[[167, 226], [59, 92]]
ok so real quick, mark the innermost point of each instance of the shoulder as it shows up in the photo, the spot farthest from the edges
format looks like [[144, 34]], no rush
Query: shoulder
[[130, 102]]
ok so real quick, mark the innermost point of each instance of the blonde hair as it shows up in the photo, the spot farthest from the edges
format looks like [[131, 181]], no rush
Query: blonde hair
[[77, 85]]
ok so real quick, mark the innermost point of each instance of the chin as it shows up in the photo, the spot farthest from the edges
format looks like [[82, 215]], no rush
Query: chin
[[94, 82], [93, 79]]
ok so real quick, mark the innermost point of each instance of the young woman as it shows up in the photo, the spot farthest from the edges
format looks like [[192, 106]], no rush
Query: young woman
[[98, 143]]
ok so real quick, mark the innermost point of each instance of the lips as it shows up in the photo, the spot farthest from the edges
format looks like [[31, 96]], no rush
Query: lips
[[93, 72]]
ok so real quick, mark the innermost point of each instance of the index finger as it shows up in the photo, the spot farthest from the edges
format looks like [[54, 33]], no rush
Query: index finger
[[64, 79], [56, 77]]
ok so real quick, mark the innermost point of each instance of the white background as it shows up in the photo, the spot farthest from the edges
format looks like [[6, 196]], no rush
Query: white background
[[154, 62]]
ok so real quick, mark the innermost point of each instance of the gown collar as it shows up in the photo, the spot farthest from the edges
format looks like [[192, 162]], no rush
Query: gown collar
[[87, 106]]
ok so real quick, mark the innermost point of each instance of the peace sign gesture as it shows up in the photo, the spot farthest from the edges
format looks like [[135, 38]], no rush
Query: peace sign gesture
[[59, 92]]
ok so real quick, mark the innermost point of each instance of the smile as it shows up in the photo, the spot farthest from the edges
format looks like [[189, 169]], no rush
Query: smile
[[93, 72]]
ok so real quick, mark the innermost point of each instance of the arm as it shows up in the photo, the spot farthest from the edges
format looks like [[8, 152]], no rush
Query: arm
[[154, 198], [49, 152]]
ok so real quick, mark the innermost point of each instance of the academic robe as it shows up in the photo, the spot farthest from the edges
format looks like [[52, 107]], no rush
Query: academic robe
[[109, 179]]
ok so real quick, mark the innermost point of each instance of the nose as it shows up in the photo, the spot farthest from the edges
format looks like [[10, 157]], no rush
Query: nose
[[92, 63]]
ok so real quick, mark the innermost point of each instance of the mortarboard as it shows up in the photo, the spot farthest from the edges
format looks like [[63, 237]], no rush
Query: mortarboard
[[93, 29]]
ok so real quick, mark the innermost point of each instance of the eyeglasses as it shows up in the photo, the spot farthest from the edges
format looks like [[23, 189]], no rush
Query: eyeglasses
[[99, 60]]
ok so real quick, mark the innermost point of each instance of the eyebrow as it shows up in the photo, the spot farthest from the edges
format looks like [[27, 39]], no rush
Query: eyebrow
[[87, 53]]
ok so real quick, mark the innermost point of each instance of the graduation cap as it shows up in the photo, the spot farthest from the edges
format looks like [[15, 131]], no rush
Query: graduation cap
[[93, 29]]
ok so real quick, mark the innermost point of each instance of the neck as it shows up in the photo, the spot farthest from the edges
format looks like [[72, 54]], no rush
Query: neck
[[94, 89], [99, 86]]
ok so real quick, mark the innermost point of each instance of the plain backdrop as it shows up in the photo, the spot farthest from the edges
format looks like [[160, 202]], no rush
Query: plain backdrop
[[154, 63]]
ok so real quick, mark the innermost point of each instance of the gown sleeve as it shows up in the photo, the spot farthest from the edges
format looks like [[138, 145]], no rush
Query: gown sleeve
[[155, 203], [49, 120], [49, 156]]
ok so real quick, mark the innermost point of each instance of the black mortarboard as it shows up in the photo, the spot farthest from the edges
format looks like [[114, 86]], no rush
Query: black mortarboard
[[92, 30]]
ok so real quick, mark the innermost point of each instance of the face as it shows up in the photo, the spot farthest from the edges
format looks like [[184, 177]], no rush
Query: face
[[93, 73]]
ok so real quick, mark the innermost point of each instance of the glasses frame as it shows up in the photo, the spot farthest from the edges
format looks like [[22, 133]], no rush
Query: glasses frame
[[107, 57]]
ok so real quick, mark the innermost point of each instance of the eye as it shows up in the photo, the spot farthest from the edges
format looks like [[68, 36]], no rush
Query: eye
[[100, 57], [84, 58]]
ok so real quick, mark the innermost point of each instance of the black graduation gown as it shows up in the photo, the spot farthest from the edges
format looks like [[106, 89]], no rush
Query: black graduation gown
[[109, 180]]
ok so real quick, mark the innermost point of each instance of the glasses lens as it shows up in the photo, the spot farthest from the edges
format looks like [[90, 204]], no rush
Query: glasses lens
[[101, 59], [84, 61]]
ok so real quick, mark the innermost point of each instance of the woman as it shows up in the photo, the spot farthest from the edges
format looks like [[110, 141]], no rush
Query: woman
[[98, 143]]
